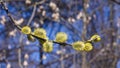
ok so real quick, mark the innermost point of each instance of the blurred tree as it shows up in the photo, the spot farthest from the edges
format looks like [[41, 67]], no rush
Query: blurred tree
[[79, 19]]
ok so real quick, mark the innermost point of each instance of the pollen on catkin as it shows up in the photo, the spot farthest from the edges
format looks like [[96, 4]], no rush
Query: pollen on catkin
[[79, 45], [40, 32], [48, 46], [95, 38], [26, 30], [88, 47], [61, 37]]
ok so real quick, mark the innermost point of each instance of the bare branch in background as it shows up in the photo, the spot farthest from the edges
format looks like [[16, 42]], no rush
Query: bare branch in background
[[8, 13], [80, 18], [115, 1]]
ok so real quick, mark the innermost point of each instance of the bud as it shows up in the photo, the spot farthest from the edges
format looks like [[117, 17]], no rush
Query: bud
[[31, 38], [26, 56], [8, 65], [95, 38], [25, 63], [55, 16], [53, 5]]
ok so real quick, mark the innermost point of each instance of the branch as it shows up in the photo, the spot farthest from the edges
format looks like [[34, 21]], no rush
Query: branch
[[51, 40], [32, 5], [9, 15], [13, 22], [115, 2], [32, 16], [59, 60]]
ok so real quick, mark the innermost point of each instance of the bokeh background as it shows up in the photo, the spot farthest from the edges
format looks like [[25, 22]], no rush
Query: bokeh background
[[80, 19]]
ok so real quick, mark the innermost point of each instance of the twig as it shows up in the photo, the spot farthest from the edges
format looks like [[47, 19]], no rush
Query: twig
[[59, 60], [51, 40], [9, 15], [19, 58], [115, 1], [32, 16], [84, 32], [32, 5], [21, 37], [13, 22]]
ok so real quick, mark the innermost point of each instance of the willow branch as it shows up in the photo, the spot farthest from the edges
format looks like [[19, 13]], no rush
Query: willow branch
[[51, 40], [13, 22], [9, 15]]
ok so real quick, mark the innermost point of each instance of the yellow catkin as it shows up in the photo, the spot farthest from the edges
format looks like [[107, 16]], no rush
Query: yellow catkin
[[40, 32], [79, 45], [26, 30], [88, 47], [61, 37], [95, 38], [48, 46]]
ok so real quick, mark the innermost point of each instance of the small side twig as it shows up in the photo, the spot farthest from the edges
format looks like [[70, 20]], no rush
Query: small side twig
[[32, 16]]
